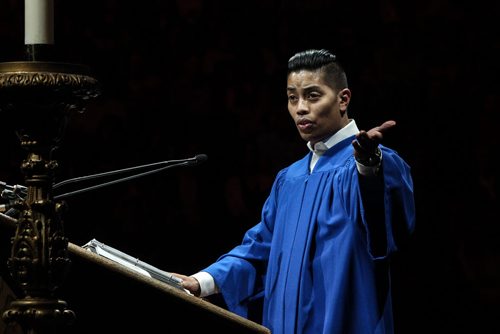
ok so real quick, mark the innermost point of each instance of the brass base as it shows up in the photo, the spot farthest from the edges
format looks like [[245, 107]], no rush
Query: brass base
[[39, 312]]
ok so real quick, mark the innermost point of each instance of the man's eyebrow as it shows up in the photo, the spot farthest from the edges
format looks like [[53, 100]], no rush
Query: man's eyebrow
[[312, 86], [307, 88]]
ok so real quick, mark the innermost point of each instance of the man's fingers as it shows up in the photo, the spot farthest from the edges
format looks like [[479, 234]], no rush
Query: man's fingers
[[377, 132], [367, 141], [386, 126]]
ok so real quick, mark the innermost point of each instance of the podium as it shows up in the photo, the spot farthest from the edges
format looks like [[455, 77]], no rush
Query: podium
[[128, 302], [110, 298]]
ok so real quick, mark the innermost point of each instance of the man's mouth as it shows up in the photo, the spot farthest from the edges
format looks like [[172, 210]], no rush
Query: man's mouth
[[304, 124]]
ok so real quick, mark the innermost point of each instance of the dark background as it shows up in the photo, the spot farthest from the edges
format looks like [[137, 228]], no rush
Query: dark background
[[185, 77]]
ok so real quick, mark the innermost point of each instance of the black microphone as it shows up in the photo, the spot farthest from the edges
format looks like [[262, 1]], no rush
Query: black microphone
[[198, 159]]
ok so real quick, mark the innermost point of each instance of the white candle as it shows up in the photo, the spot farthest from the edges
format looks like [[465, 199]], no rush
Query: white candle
[[39, 22]]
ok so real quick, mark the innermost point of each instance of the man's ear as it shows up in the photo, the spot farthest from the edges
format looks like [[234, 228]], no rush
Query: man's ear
[[344, 99], [345, 96]]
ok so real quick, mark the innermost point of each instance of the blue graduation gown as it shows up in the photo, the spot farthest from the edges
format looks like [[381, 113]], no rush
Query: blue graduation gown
[[317, 257]]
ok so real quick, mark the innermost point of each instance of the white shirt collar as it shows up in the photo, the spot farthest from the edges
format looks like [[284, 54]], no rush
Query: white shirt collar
[[322, 146]]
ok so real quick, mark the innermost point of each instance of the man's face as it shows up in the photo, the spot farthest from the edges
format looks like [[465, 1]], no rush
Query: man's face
[[317, 109]]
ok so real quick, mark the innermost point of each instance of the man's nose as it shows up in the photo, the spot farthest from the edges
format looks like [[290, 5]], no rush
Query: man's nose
[[302, 107]]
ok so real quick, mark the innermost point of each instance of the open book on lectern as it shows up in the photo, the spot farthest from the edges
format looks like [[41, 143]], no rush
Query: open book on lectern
[[134, 264]]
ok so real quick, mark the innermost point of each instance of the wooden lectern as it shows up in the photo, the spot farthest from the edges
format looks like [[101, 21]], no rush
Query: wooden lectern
[[110, 298], [130, 302]]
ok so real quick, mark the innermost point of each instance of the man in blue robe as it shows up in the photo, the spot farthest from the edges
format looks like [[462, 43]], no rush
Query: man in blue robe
[[319, 257]]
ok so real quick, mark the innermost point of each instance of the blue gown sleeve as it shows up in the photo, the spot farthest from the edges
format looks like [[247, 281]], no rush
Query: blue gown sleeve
[[387, 205]]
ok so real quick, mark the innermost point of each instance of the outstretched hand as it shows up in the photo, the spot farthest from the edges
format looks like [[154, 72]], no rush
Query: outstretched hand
[[366, 142]]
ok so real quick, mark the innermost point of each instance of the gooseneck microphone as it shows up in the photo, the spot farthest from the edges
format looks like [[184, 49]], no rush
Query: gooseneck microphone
[[196, 160], [200, 158], [18, 192]]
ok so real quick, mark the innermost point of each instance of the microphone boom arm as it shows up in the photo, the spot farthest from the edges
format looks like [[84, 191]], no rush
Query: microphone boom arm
[[196, 159], [169, 164]]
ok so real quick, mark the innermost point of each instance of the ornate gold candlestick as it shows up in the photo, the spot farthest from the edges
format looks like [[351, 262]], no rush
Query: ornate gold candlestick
[[38, 98]]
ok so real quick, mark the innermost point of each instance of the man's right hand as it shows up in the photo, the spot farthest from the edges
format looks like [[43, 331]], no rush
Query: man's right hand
[[189, 283]]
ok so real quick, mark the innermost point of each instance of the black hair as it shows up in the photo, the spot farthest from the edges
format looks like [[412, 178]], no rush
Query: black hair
[[319, 60]]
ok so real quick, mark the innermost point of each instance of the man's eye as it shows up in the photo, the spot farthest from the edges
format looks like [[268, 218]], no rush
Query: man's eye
[[292, 98], [313, 96]]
